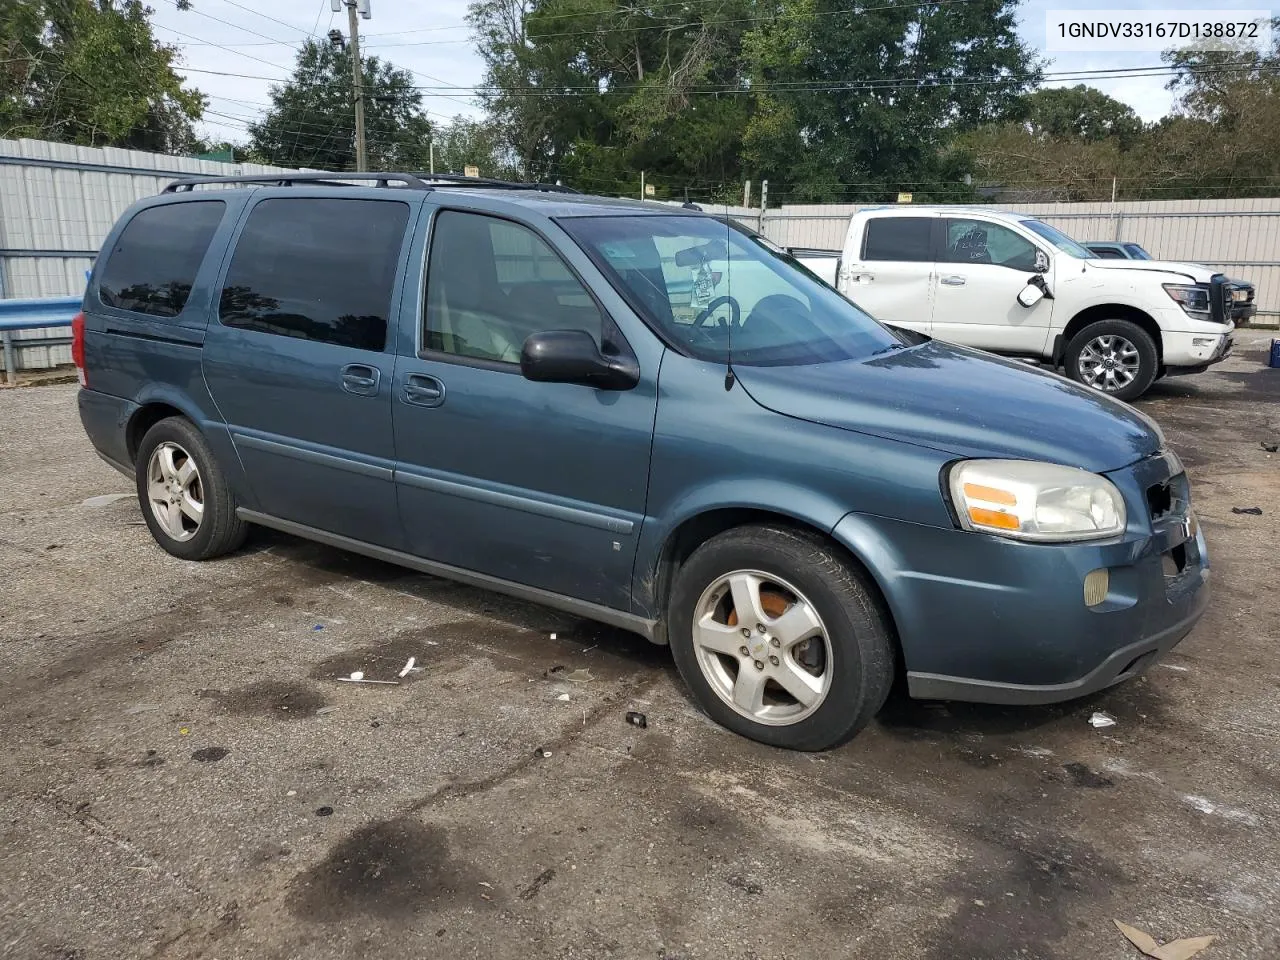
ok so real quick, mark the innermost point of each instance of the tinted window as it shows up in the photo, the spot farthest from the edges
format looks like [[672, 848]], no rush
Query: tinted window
[[316, 269], [716, 291], [1108, 253], [491, 283], [153, 263], [1137, 252], [976, 241], [898, 238]]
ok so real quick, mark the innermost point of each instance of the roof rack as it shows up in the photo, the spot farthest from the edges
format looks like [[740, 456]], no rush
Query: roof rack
[[458, 180], [314, 178], [413, 181]]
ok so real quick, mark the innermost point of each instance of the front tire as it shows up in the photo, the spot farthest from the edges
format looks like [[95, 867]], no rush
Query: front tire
[[184, 497], [781, 639], [1115, 357]]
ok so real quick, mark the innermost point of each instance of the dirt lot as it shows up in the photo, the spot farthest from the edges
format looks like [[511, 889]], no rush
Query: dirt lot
[[185, 778]]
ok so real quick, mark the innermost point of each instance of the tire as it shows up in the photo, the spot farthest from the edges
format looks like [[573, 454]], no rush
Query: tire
[[797, 576], [1115, 352], [186, 533]]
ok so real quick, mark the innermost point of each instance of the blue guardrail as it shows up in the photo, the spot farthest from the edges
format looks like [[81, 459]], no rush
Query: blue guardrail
[[36, 313]]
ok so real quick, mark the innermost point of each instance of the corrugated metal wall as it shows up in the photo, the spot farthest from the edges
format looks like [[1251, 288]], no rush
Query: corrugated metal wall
[[1239, 237], [57, 203]]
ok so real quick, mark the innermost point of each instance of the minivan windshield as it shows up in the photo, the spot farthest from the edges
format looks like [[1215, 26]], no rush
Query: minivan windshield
[[713, 289], [1060, 240]]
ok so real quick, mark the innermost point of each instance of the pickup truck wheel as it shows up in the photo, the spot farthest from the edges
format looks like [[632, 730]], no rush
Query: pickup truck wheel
[[1116, 357], [185, 499], [779, 639]]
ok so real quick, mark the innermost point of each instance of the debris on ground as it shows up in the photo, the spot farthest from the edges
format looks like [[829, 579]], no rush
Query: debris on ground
[[326, 710], [542, 752], [1173, 950], [324, 811], [579, 676], [105, 499], [637, 719], [1252, 511], [553, 636], [318, 626], [1100, 720], [564, 697], [357, 676], [138, 708], [407, 667], [1270, 447], [553, 671]]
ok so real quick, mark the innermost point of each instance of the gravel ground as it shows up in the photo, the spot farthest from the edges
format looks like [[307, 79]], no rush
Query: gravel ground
[[185, 778]]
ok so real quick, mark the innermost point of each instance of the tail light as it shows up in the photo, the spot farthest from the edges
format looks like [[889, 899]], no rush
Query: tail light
[[77, 347]]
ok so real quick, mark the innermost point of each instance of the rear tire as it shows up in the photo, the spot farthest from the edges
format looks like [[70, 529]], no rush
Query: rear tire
[[1115, 357], [813, 625], [184, 496]]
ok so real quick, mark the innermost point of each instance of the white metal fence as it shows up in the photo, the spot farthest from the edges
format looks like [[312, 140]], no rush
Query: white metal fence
[[1241, 238], [57, 203]]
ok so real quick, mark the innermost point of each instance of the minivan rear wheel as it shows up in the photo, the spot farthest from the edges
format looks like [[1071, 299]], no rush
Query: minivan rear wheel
[[1115, 357], [779, 638], [184, 497]]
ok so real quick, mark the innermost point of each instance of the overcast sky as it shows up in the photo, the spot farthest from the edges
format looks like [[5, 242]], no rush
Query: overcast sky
[[431, 39]]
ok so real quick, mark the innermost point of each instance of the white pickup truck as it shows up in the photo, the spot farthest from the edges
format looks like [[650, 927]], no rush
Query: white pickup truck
[[1014, 285]]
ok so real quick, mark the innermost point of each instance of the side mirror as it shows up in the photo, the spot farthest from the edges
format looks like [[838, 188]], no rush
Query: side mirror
[[1035, 291], [571, 356], [1042, 262]]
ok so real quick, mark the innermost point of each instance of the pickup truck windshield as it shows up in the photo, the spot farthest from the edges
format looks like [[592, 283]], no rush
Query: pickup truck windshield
[[712, 289], [1060, 240]]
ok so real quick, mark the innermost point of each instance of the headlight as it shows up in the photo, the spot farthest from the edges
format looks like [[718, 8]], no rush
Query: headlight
[[1192, 299], [1026, 500]]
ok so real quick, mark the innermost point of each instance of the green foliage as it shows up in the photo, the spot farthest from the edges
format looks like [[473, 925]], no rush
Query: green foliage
[[465, 142], [91, 72], [311, 122], [704, 95], [1080, 113], [1223, 140]]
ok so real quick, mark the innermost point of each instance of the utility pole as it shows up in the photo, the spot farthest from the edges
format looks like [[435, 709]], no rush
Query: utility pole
[[642, 186], [354, 7], [746, 193]]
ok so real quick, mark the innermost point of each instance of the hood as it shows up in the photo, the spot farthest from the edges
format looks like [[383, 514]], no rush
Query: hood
[[1192, 271], [962, 402]]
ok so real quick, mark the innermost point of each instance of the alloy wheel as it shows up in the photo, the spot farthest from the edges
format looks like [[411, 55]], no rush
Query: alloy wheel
[[762, 647]]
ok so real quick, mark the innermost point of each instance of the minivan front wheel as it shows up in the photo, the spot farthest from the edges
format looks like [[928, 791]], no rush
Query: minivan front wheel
[[779, 638], [1115, 357], [185, 500]]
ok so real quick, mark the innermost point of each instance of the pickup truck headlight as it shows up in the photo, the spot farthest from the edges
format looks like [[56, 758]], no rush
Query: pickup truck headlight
[[1027, 500], [1193, 299]]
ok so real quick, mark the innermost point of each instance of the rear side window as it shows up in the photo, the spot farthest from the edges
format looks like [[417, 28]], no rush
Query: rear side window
[[1108, 253], [153, 263], [898, 238], [316, 269]]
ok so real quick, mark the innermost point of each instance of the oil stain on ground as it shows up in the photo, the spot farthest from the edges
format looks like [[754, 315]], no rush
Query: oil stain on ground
[[389, 869], [283, 700]]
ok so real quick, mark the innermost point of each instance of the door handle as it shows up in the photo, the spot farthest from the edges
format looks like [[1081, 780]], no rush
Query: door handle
[[423, 390], [953, 281], [360, 379]]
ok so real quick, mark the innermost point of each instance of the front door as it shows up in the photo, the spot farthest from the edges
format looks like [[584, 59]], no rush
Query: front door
[[298, 362], [888, 271], [982, 267], [542, 484]]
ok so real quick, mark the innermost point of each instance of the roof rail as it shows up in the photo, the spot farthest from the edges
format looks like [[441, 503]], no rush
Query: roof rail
[[458, 180], [289, 179]]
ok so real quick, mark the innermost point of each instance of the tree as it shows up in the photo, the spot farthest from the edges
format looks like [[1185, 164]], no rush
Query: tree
[[311, 122], [91, 72], [465, 142], [864, 102], [1080, 113], [810, 94]]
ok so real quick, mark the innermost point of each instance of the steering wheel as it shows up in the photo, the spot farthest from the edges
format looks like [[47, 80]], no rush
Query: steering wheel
[[716, 304]]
